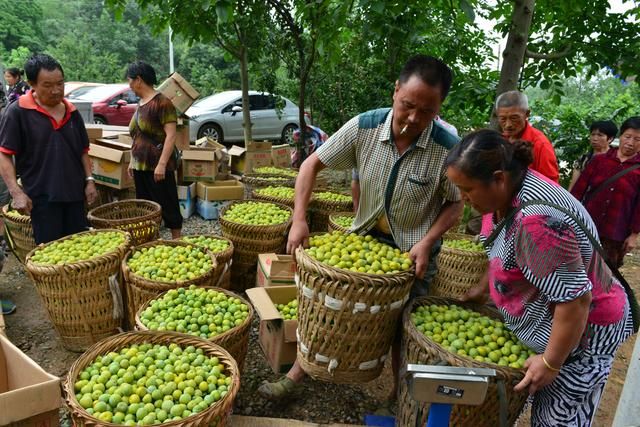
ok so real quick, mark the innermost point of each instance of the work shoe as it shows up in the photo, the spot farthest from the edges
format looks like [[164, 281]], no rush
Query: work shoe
[[7, 307], [284, 387]]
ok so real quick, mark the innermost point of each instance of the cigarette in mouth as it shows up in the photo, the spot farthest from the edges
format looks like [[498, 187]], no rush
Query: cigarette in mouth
[[404, 130]]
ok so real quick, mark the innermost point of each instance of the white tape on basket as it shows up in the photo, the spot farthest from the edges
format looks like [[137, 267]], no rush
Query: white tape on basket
[[296, 278], [320, 297], [307, 292], [227, 266], [333, 364], [359, 307], [383, 358], [370, 364], [332, 303], [114, 287], [321, 358], [396, 304], [303, 348], [374, 309]]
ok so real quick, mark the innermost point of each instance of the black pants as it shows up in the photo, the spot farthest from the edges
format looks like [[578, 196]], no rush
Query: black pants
[[53, 220], [165, 193]]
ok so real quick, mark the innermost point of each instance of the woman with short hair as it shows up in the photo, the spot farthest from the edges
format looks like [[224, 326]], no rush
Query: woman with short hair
[[601, 135], [153, 129], [553, 289]]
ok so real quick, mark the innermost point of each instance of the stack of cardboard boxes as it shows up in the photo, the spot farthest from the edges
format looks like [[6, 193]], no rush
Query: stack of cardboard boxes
[[275, 281], [258, 154]]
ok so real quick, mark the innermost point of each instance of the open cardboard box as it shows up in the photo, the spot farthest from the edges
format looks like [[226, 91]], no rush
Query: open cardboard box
[[179, 91], [229, 189], [109, 162], [275, 270], [201, 164], [244, 161], [29, 396], [281, 155], [277, 336]]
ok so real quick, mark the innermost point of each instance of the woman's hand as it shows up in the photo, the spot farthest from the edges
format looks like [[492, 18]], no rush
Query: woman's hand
[[159, 172], [477, 294], [538, 375]]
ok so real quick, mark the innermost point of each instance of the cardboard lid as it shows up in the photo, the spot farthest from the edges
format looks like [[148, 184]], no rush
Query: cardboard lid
[[25, 388], [113, 154], [264, 300], [205, 154], [237, 151]]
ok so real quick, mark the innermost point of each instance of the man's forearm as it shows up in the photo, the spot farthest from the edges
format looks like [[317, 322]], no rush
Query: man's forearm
[[448, 216], [304, 186], [86, 164], [8, 173]]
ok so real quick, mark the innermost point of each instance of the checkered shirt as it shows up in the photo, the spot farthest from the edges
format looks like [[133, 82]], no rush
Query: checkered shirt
[[410, 188]]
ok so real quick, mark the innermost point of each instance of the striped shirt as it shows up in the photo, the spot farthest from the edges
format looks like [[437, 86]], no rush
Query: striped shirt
[[544, 258], [410, 188]]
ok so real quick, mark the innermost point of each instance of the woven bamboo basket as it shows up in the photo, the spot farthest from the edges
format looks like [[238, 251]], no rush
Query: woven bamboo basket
[[140, 289], [321, 209], [249, 241], [253, 181], [281, 200], [420, 349], [235, 340], [141, 218], [458, 270], [215, 415], [19, 233], [83, 298], [333, 226], [222, 275], [346, 320]]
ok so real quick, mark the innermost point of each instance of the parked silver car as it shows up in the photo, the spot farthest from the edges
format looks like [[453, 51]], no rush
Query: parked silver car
[[219, 116]]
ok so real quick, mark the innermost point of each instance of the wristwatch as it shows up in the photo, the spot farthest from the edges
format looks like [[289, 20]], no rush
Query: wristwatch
[[90, 178]]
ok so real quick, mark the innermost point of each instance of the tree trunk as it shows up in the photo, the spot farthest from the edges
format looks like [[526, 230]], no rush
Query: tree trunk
[[246, 108], [513, 55]]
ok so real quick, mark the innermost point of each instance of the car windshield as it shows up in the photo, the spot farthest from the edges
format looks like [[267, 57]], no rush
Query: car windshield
[[216, 101], [78, 92], [98, 93]]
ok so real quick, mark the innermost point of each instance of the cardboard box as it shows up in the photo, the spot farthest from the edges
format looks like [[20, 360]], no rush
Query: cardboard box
[[179, 91], [29, 396], [281, 155], [247, 421], [210, 209], [220, 190], [243, 161], [94, 131], [201, 164], [109, 162], [125, 138], [187, 199], [259, 146], [275, 270], [182, 134], [277, 336]]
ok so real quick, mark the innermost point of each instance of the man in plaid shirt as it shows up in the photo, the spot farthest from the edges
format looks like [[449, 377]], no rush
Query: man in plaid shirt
[[406, 198]]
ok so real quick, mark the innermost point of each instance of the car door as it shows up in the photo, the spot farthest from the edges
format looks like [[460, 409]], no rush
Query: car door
[[231, 122], [263, 116], [120, 115]]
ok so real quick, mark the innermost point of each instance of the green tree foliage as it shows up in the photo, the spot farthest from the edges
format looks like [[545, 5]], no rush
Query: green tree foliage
[[20, 25]]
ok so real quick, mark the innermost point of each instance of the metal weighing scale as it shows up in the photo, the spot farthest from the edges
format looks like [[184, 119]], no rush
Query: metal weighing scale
[[445, 386]]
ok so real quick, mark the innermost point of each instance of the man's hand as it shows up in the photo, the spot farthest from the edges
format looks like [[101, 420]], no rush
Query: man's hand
[[159, 172], [298, 235], [477, 294], [630, 243], [419, 254], [130, 171], [22, 203], [537, 376], [90, 192]]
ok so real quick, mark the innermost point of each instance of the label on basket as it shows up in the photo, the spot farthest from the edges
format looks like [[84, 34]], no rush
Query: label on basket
[[307, 292], [332, 303], [114, 288], [359, 307], [368, 365], [374, 309]]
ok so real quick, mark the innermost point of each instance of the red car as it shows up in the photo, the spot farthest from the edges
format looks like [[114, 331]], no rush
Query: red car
[[112, 104]]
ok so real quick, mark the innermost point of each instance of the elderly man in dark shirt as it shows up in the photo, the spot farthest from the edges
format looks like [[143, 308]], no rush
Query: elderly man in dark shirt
[[47, 137]]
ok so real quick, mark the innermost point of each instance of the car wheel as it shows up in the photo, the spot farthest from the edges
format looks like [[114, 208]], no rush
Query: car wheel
[[99, 120], [212, 131], [287, 134]]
